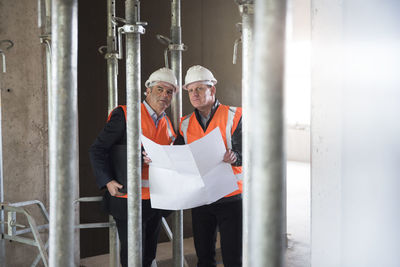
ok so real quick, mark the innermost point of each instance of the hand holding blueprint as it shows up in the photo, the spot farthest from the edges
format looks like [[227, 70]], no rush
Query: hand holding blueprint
[[188, 176]]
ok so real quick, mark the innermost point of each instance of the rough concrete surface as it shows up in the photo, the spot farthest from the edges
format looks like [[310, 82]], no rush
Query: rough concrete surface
[[24, 124]]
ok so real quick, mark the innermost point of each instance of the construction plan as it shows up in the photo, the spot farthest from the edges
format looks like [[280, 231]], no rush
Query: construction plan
[[191, 175]]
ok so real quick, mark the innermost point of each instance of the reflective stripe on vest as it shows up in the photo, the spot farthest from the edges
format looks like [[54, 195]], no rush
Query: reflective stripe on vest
[[239, 176], [229, 125], [145, 183], [226, 119], [185, 125], [170, 132]]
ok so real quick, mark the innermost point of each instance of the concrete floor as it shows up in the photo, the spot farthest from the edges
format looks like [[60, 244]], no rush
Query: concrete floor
[[298, 226], [298, 214]]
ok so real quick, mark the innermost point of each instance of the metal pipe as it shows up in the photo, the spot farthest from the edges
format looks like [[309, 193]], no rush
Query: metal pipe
[[246, 9], [89, 199], [111, 56], [114, 243], [176, 60], [44, 16], [50, 106], [25, 231], [266, 121], [45, 38], [166, 58], [39, 257], [93, 225], [3, 60], [133, 82], [112, 78], [176, 112], [2, 217], [64, 145]]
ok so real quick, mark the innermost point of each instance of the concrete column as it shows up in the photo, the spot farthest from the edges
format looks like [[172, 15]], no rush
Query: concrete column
[[24, 116]]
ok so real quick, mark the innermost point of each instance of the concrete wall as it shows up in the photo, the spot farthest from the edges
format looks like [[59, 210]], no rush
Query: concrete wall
[[355, 144], [326, 133], [298, 143], [297, 81], [24, 113]]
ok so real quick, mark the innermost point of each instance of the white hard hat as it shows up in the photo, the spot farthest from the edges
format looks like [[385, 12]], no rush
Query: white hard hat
[[198, 73], [162, 75]]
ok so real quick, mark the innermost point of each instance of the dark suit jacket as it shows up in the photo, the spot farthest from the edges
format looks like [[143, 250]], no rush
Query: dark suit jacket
[[112, 135]]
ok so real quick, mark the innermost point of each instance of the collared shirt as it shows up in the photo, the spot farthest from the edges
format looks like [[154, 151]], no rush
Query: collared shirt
[[153, 114], [205, 120]]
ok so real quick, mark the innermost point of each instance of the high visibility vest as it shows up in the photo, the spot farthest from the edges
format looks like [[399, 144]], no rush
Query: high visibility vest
[[163, 134], [227, 119]]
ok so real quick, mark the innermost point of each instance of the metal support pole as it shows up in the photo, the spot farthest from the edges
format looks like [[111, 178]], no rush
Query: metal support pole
[[114, 243], [112, 78], [246, 8], [133, 82], [267, 139], [176, 60], [2, 217], [45, 38], [111, 56], [176, 108], [64, 146]]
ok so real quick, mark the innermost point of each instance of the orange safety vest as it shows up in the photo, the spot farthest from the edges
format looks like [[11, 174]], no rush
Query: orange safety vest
[[227, 119], [163, 134]]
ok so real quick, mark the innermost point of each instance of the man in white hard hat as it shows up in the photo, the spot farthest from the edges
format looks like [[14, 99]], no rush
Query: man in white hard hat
[[226, 213], [108, 158]]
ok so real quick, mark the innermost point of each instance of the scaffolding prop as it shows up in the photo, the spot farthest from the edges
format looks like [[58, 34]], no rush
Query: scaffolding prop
[[246, 28], [112, 56], [132, 30], [2, 217], [267, 168], [176, 47], [63, 146]]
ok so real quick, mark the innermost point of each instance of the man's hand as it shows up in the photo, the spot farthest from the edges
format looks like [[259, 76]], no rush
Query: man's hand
[[230, 157], [113, 187], [146, 158]]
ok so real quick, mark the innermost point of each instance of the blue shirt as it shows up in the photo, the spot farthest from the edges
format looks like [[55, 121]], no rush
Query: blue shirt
[[153, 114]]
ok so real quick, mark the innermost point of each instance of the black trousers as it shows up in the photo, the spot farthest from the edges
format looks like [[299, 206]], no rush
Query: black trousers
[[151, 224], [227, 216]]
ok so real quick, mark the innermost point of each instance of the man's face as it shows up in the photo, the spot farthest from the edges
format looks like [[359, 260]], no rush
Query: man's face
[[159, 96], [201, 95]]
